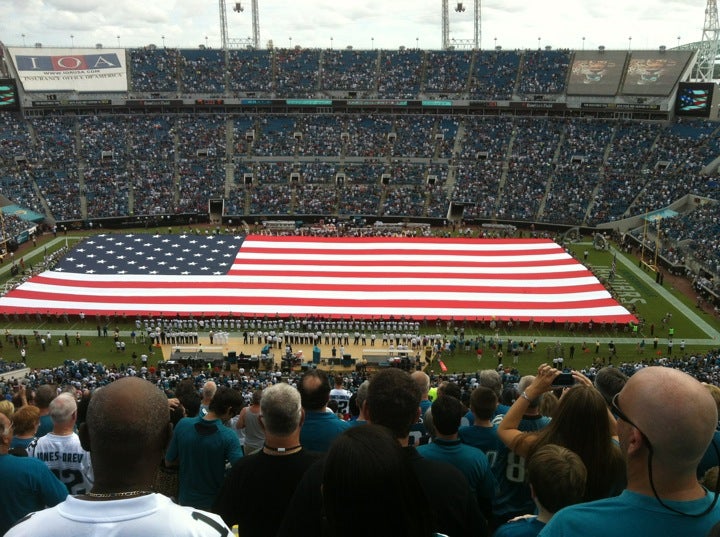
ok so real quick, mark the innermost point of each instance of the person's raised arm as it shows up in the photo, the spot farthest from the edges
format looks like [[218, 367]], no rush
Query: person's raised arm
[[508, 429]]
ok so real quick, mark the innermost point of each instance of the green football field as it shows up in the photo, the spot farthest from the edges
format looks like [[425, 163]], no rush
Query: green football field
[[635, 288]]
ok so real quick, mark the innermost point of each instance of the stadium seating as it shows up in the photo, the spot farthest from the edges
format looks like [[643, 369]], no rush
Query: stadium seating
[[564, 171]]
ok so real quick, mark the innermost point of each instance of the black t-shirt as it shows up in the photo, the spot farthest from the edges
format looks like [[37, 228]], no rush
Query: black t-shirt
[[258, 489]]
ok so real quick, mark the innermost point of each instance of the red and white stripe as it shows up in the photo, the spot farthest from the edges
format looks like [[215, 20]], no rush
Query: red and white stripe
[[342, 277]]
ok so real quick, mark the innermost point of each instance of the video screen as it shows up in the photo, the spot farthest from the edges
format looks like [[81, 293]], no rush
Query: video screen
[[694, 99], [8, 95], [654, 73], [596, 73]]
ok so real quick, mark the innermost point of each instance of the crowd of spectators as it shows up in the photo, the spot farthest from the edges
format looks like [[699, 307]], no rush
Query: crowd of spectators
[[544, 72], [154, 70], [297, 72], [453, 408], [251, 70], [202, 71], [577, 172], [494, 74], [530, 164], [629, 156], [349, 70], [448, 72], [306, 73], [401, 73], [697, 233], [556, 170]]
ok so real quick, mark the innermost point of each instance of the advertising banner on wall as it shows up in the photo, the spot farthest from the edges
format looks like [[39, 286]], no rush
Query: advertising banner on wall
[[64, 69]]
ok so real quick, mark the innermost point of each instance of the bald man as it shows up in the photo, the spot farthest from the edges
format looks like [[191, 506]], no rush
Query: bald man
[[126, 430], [666, 420]]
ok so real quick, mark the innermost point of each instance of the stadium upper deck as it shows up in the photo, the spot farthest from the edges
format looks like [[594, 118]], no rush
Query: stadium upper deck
[[600, 82]]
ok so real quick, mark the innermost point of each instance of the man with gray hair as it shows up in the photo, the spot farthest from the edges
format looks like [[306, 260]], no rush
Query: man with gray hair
[[208, 392], [360, 398], [273, 472], [60, 449], [492, 379]]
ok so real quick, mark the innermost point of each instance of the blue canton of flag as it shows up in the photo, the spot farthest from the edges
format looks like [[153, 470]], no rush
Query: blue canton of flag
[[182, 255]]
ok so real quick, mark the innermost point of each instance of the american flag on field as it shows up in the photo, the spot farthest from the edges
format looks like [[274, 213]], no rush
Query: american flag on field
[[338, 277]]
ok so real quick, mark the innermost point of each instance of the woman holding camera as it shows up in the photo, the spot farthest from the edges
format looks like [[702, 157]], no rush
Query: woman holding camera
[[582, 423]]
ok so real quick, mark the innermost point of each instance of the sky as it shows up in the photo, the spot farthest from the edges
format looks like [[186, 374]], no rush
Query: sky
[[511, 24]]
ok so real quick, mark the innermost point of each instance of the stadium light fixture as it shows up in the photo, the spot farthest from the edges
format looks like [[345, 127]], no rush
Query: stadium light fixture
[[630, 43], [118, 38], [23, 36], [583, 46], [72, 41]]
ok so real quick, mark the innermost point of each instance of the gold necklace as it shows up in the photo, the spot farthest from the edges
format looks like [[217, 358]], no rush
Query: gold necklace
[[118, 494]]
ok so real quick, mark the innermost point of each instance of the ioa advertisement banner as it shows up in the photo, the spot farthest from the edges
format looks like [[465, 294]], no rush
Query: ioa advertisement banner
[[81, 70]]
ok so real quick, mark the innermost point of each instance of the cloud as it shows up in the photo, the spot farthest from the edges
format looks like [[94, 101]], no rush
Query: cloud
[[311, 23], [74, 6]]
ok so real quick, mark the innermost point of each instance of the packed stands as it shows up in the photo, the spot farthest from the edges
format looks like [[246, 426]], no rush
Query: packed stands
[[544, 71], [154, 70], [202, 71], [401, 73], [349, 71]]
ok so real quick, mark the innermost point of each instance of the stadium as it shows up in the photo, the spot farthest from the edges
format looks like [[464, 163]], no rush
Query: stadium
[[527, 232], [433, 186]]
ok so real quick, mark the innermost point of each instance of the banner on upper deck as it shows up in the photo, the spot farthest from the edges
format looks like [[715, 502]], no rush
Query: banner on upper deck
[[81, 70]]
